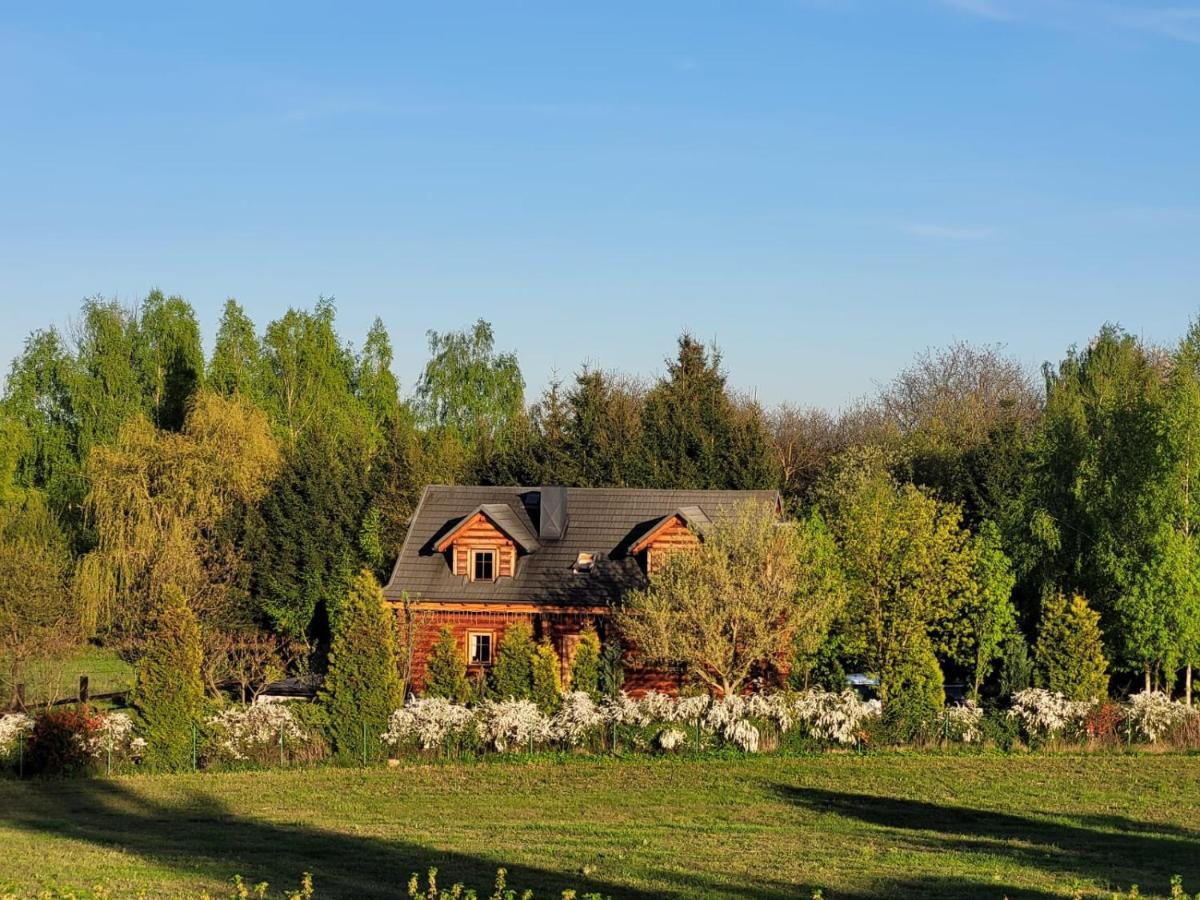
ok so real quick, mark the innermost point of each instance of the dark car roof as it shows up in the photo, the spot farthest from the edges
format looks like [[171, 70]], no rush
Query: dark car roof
[[603, 521]]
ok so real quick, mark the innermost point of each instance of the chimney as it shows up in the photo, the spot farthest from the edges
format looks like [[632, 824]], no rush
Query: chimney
[[552, 520]]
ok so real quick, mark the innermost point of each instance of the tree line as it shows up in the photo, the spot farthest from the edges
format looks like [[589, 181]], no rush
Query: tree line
[[971, 507]]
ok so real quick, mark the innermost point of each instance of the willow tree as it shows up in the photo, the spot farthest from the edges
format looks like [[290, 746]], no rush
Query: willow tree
[[156, 499], [730, 608]]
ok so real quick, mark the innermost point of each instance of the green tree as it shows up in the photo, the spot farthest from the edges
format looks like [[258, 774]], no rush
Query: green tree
[[731, 607], [169, 357], [545, 677], [694, 435], [169, 692], [374, 383], [469, 389], [603, 433], [446, 671], [585, 667], [362, 686], [237, 361], [38, 616], [1070, 651], [908, 562], [512, 675], [988, 616]]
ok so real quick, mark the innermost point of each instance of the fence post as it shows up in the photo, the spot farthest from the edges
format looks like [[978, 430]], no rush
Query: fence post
[[193, 746], [21, 752], [83, 689], [697, 735], [281, 762]]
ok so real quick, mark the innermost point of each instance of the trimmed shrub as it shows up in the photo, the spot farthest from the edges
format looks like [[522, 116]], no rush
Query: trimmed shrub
[[446, 671], [60, 740], [547, 682], [585, 667], [1070, 649], [169, 692], [917, 696], [512, 675], [362, 687]]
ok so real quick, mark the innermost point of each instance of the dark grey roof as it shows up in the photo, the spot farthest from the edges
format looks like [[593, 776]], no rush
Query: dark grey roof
[[604, 521], [506, 519]]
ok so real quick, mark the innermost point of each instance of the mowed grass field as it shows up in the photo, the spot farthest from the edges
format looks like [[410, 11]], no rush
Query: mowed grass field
[[886, 825]]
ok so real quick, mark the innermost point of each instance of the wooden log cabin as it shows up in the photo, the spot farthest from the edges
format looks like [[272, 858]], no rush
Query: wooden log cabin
[[477, 559]]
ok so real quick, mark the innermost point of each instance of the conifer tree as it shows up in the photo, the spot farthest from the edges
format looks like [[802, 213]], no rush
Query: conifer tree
[[446, 672], [1070, 649], [512, 675], [169, 692], [585, 668], [547, 682], [362, 687]]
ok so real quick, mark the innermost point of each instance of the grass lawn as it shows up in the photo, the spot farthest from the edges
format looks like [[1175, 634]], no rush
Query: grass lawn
[[54, 679], [855, 826]]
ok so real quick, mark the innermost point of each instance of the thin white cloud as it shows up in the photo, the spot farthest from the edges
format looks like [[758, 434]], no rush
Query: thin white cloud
[[1178, 23], [980, 9], [948, 232]]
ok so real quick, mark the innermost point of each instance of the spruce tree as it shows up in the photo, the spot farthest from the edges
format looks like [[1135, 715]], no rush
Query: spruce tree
[[547, 682], [1070, 649], [446, 672], [169, 692], [512, 675], [362, 687], [585, 668]]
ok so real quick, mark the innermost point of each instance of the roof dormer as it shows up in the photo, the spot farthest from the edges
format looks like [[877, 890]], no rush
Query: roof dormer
[[681, 529], [483, 545]]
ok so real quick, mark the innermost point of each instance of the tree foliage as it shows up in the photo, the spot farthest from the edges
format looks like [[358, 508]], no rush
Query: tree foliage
[[729, 608], [1070, 651], [511, 677], [362, 687], [446, 671], [169, 692]]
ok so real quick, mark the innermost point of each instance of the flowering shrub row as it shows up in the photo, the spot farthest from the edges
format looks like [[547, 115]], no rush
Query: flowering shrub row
[[654, 720], [1148, 716]]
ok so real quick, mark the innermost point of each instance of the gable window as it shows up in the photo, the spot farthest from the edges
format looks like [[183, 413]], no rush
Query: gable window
[[483, 565], [479, 648]]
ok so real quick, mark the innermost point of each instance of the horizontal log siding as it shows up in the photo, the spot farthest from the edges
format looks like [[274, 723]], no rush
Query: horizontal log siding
[[480, 534], [674, 536]]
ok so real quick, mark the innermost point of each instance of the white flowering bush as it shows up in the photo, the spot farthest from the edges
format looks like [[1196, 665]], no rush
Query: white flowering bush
[[671, 739], [1046, 714], [428, 722], [511, 724], [11, 726], [113, 734], [691, 709], [577, 719], [657, 707], [964, 723], [834, 717], [743, 734], [1152, 714], [242, 733], [624, 710]]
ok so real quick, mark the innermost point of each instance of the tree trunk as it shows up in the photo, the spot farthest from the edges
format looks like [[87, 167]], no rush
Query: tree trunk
[[1187, 684], [1148, 678]]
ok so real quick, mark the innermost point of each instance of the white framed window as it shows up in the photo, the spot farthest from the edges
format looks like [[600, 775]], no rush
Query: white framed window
[[482, 565], [479, 648]]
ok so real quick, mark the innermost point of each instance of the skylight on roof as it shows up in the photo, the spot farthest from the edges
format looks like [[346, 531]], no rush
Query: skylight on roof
[[584, 562]]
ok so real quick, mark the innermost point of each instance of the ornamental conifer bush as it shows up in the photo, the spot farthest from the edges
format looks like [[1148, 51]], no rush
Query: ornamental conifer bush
[[1070, 649], [585, 667], [446, 671], [362, 686], [547, 680], [512, 675], [169, 691]]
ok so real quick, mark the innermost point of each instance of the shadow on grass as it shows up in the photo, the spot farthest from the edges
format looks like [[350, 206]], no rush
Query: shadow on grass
[[200, 838], [1112, 852]]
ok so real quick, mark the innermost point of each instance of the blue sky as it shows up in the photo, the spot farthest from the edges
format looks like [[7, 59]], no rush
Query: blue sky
[[824, 188]]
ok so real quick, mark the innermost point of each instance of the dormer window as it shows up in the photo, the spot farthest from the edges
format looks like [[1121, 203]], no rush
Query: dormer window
[[483, 565]]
